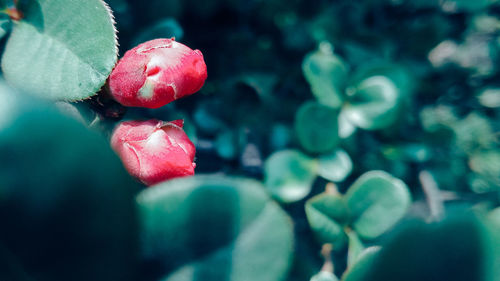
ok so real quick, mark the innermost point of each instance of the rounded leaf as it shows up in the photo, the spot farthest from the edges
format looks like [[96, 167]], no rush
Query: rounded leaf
[[289, 175], [324, 276], [450, 250], [66, 204], [326, 215], [60, 49], [376, 201], [316, 126], [214, 228], [373, 103], [335, 166], [362, 266], [326, 74]]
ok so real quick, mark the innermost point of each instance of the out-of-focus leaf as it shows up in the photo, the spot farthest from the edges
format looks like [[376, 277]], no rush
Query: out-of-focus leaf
[[316, 126], [226, 144], [280, 136], [324, 276], [214, 228], [359, 270], [335, 166], [47, 57], [289, 175], [206, 119], [5, 26], [66, 203], [327, 214], [490, 98], [474, 132], [326, 74], [486, 165], [376, 201], [355, 249], [471, 6], [373, 104], [433, 252], [165, 28]]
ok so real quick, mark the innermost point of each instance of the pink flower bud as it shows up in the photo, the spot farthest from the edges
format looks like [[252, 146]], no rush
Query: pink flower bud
[[156, 73], [153, 150]]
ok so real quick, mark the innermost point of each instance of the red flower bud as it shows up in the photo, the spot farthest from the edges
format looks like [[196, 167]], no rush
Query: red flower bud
[[153, 150], [156, 73]]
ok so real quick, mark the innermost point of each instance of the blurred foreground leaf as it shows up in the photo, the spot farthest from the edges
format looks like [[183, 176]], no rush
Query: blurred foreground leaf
[[66, 203], [214, 228], [455, 249]]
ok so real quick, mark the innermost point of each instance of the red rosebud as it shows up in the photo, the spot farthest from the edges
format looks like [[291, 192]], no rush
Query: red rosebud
[[153, 150], [156, 73]]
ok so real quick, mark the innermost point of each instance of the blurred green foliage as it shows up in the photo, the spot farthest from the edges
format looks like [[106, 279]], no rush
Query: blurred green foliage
[[375, 125]]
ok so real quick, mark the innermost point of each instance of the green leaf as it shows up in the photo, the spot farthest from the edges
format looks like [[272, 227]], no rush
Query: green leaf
[[451, 250], [66, 203], [316, 126], [214, 228], [61, 49], [324, 276], [356, 248], [326, 73], [490, 97], [226, 144], [376, 202], [373, 104], [326, 214], [289, 175], [335, 166], [472, 6], [359, 270], [5, 26]]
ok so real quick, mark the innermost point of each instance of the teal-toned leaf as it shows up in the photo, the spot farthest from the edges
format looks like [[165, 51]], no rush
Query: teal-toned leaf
[[66, 203], [486, 166], [490, 98], [471, 6], [359, 270], [226, 144], [335, 166], [61, 49], [493, 262], [326, 74], [316, 126], [324, 276], [346, 127], [327, 214], [373, 104], [5, 26], [474, 132], [376, 202], [289, 175], [434, 252], [355, 248], [165, 28], [214, 228], [280, 136]]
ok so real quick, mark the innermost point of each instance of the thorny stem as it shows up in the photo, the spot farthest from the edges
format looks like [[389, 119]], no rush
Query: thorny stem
[[326, 252]]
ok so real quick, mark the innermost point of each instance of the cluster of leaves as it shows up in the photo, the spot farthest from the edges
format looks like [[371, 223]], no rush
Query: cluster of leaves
[[373, 126]]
